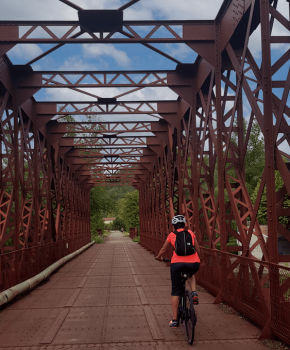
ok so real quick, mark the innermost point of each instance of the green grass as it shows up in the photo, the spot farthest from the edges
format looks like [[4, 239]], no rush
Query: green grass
[[136, 239], [97, 239], [126, 234], [106, 233]]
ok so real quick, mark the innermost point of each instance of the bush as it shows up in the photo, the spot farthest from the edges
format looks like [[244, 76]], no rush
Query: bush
[[136, 239], [97, 222], [98, 239], [106, 233]]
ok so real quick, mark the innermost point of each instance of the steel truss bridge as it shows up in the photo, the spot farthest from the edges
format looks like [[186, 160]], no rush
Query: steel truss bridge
[[181, 160]]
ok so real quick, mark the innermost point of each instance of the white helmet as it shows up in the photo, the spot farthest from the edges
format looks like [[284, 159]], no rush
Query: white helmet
[[178, 218]]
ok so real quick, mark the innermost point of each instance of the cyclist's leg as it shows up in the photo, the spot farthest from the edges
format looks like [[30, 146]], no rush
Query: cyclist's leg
[[192, 282], [176, 289], [192, 269], [175, 303]]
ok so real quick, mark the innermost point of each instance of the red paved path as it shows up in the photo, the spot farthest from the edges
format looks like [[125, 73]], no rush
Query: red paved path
[[115, 296]]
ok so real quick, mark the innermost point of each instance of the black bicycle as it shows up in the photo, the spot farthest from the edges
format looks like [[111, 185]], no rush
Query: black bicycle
[[186, 312]]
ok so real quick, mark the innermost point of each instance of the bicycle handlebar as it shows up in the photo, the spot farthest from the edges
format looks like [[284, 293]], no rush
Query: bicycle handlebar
[[166, 260]]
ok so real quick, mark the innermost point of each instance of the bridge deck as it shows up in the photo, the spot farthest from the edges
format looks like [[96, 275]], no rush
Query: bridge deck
[[113, 296]]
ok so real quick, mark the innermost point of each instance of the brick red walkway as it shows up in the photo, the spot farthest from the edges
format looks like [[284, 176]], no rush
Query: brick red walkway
[[115, 296]]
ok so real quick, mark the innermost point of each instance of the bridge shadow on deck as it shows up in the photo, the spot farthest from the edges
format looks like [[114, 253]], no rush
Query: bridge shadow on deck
[[113, 296]]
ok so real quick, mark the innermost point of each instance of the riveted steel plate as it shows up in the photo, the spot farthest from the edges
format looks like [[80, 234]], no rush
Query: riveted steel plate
[[91, 297], [125, 324], [231, 327], [97, 271], [122, 281], [132, 346], [142, 264], [219, 345], [119, 271], [97, 282], [102, 265], [75, 272], [82, 325], [154, 297], [205, 298], [163, 315], [44, 299], [144, 271], [84, 265], [162, 270], [124, 296], [115, 310], [65, 282], [123, 264], [27, 328], [146, 280]]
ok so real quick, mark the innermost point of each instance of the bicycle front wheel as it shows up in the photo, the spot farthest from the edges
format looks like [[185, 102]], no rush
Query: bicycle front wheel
[[190, 317]]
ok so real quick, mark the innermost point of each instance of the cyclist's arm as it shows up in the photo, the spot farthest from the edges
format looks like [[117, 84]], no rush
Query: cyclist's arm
[[163, 250]]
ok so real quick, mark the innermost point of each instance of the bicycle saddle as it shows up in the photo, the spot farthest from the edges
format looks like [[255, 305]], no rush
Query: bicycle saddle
[[184, 276]]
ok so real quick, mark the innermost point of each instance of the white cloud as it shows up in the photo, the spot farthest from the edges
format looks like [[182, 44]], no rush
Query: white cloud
[[180, 51], [172, 9], [25, 51], [154, 93], [75, 63], [100, 50], [144, 9]]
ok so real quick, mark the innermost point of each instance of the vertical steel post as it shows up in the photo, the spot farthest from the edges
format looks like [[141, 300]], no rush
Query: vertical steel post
[[16, 184], [194, 165], [269, 159], [36, 181], [220, 159]]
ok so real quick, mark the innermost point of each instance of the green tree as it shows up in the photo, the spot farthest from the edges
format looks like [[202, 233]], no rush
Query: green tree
[[255, 155], [262, 212], [128, 209], [118, 223]]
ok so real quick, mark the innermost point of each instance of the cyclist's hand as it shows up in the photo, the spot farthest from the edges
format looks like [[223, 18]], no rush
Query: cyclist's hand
[[159, 259]]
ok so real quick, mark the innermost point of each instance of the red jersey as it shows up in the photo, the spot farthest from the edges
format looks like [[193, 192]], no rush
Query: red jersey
[[185, 259]]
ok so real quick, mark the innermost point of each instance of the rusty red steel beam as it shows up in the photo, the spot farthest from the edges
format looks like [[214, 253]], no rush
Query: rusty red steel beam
[[193, 31], [63, 79]]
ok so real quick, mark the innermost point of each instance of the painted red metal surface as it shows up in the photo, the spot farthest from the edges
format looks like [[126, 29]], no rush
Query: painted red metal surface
[[184, 162], [112, 315]]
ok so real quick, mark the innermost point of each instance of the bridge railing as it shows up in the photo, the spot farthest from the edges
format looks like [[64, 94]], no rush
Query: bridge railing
[[18, 266], [257, 289], [133, 232]]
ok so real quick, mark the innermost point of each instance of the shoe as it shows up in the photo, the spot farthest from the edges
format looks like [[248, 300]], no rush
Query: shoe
[[174, 324], [194, 298]]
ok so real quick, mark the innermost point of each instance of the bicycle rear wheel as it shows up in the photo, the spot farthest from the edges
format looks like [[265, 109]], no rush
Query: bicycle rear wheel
[[190, 317]]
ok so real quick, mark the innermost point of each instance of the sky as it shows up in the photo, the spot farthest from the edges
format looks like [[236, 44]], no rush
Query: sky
[[106, 56], [124, 56]]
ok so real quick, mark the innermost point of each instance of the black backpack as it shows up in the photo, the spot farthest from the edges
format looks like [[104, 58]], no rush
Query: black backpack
[[183, 243]]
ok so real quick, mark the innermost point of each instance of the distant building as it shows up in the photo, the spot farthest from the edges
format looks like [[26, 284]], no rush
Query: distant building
[[108, 220]]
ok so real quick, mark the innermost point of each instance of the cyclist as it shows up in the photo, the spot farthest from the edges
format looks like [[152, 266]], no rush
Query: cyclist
[[188, 264]]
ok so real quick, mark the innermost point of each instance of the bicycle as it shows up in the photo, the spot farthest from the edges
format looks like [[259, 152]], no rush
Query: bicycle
[[186, 312]]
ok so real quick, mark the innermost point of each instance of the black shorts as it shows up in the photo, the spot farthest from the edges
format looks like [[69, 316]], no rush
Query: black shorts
[[176, 269]]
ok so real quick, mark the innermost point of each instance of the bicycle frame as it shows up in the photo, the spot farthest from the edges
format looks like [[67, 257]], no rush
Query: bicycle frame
[[182, 304]]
